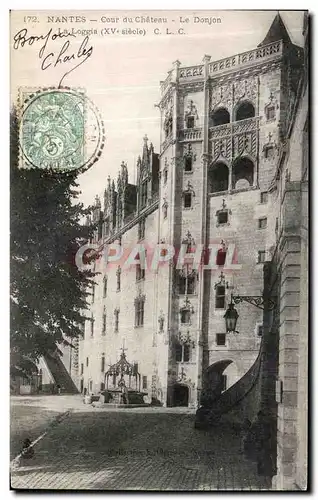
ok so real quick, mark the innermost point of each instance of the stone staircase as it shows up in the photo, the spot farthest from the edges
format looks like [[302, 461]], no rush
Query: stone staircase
[[60, 374]]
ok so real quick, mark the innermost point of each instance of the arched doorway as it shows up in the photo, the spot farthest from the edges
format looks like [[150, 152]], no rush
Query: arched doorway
[[180, 395]]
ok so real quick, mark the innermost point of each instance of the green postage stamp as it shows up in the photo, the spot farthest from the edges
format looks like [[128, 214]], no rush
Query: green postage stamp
[[60, 129]]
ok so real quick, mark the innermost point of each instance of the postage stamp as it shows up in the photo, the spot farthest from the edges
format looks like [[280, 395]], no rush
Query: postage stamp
[[60, 129]]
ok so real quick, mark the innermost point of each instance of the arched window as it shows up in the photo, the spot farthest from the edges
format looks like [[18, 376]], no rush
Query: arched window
[[220, 117], [219, 178], [243, 173], [244, 110]]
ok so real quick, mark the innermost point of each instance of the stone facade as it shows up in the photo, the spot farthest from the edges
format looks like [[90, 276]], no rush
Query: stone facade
[[292, 251], [228, 174]]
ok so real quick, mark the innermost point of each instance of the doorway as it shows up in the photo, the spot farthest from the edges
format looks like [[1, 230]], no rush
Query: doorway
[[180, 395]]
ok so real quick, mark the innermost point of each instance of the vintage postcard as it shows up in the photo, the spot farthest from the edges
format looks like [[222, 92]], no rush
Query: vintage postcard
[[159, 295]]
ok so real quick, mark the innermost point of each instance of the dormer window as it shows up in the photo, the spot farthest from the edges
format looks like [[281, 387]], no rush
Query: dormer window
[[187, 200], [222, 215], [188, 157], [188, 194], [191, 114], [188, 164], [185, 316], [185, 312], [270, 113], [190, 122]]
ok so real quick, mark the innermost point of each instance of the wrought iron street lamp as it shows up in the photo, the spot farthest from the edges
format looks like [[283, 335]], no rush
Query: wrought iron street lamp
[[231, 315]]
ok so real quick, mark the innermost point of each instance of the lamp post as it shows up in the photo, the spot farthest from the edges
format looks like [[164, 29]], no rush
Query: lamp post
[[231, 315]]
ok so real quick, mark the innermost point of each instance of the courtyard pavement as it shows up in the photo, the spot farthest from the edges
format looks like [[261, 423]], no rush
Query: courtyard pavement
[[131, 449]]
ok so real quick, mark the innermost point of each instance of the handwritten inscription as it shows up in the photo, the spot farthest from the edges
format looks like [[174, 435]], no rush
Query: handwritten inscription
[[64, 54]]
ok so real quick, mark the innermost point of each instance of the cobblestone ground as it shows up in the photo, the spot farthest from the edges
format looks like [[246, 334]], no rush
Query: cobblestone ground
[[140, 449]]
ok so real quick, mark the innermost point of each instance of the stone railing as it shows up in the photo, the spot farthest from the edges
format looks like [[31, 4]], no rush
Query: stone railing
[[246, 125], [191, 134], [191, 72], [262, 53], [240, 127], [220, 131]]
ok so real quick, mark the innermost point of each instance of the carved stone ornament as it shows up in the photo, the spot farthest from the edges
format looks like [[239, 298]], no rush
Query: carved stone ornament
[[270, 148], [222, 96], [271, 106], [246, 90], [188, 152], [223, 210], [191, 111], [189, 189]]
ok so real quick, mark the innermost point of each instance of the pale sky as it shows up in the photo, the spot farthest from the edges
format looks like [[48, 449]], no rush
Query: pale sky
[[122, 76]]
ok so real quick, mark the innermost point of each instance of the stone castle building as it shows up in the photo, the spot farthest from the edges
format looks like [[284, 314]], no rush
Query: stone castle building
[[228, 174]]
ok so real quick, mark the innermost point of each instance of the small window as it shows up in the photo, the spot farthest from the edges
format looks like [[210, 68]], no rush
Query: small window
[[144, 382], [91, 385], [191, 285], [220, 339], [102, 386], [114, 380], [186, 353], [104, 323], [270, 113], [220, 257], [104, 287], [269, 152], [223, 382], [260, 330], [190, 122], [82, 368], [140, 273], [182, 284], [261, 256], [165, 175], [116, 326], [264, 197], [220, 297], [223, 217], [86, 361], [93, 294], [178, 352], [187, 200], [102, 368], [92, 326], [262, 223], [188, 164], [139, 312], [185, 316], [118, 274]]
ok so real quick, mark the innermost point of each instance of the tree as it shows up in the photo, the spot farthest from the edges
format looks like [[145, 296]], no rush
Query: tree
[[48, 291]]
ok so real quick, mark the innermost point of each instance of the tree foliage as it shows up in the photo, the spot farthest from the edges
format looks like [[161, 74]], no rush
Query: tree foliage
[[48, 291]]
